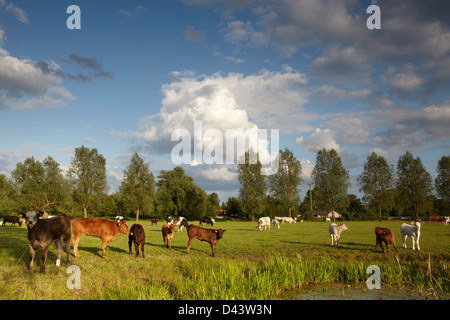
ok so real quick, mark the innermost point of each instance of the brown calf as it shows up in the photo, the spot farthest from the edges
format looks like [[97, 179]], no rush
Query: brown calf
[[167, 233], [386, 235], [137, 235], [210, 235], [104, 229]]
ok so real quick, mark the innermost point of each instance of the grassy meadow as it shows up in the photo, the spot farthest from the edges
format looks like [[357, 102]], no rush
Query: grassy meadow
[[249, 264]]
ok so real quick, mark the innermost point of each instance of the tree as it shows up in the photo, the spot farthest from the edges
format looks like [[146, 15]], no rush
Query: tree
[[233, 207], [212, 204], [377, 177], [253, 185], [40, 186], [138, 186], [179, 195], [88, 174], [414, 183], [331, 181], [442, 180], [284, 184]]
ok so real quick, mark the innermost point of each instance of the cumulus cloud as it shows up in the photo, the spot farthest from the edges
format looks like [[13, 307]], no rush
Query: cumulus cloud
[[193, 35], [319, 140]]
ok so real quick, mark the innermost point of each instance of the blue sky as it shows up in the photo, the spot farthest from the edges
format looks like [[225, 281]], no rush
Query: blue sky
[[138, 70]]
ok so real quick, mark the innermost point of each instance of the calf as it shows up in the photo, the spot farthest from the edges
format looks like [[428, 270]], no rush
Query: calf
[[167, 233], [412, 231], [119, 219], [385, 235], [209, 235], [335, 232], [207, 220], [42, 232], [137, 235], [104, 229], [276, 224], [12, 219], [155, 221], [263, 222], [178, 221]]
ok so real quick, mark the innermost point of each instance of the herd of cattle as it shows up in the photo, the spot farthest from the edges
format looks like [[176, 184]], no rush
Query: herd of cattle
[[42, 232]]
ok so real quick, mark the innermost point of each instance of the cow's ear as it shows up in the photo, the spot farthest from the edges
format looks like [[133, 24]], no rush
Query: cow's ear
[[40, 214]]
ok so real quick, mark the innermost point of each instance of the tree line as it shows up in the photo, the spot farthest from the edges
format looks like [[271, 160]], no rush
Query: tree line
[[83, 191]]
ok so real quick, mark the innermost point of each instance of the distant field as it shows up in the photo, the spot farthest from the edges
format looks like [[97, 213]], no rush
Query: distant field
[[249, 264]]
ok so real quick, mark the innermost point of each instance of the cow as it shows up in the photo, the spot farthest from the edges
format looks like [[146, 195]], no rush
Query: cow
[[104, 229], [209, 235], [119, 219], [178, 221], [446, 220], [263, 222], [167, 234], [13, 220], [155, 222], [41, 234], [385, 235], [276, 224], [137, 235], [207, 220], [288, 219], [412, 231], [335, 232]]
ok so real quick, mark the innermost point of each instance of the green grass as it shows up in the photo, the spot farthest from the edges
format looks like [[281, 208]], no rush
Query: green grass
[[249, 264]]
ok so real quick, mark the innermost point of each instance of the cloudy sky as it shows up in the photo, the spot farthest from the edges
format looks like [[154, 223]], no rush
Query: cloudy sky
[[138, 69]]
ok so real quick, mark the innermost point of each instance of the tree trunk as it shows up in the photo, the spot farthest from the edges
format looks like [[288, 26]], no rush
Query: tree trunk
[[380, 214], [85, 211], [137, 215]]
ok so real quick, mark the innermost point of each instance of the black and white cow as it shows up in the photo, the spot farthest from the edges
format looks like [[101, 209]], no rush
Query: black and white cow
[[207, 220], [42, 232], [178, 221]]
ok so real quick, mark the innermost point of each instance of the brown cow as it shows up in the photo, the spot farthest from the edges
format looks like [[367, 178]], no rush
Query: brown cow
[[137, 235], [210, 235], [167, 233], [104, 229], [386, 235]]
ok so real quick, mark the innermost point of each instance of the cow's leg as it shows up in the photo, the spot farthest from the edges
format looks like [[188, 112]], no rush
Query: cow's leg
[[67, 245], [32, 253], [58, 252], [75, 241], [417, 241], [413, 238], [387, 246], [136, 246], [44, 257], [378, 242], [404, 236], [104, 243], [213, 248], [189, 244], [142, 249], [130, 242]]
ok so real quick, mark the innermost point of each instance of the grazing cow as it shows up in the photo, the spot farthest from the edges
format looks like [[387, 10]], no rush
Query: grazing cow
[[335, 232], [288, 219], [276, 224], [209, 235], [155, 221], [446, 220], [42, 232], [280, 219], [385, 235], [104, 229], [137, 235], [207, 220], [168, 233], [119, 219], [178, 221], [13, 220], [412, 231], [263, 222]]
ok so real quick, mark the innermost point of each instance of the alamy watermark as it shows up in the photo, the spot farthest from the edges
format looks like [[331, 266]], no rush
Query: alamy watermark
[[374, 280], [208, 147]]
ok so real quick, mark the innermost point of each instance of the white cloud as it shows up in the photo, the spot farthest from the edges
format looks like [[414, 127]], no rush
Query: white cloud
[[319, 140], [19, 13]]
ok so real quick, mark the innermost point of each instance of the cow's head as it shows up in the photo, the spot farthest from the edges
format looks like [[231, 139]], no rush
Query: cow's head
[[219, 233], [31, 218], [123, 228]]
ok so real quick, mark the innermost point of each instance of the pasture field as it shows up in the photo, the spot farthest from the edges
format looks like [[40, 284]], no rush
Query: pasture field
[[249, 264]]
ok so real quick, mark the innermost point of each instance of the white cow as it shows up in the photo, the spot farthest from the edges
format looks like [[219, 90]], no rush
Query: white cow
[[276, 224], [446, 220], [412, 231], [288, 219], [263, 223], [335, 232]]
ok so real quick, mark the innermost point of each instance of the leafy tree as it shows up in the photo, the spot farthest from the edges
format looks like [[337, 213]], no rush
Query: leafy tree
[[88, 174], [414, 183], [331, 181], [284, 185], [377, 177], [138, 187], [179, 195], [40, 186], [7, 196], [442, 180], [253, 185], [233, 207], [212, 204]]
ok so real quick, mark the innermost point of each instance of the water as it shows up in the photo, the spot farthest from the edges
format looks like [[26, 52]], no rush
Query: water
[[341, 291]]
